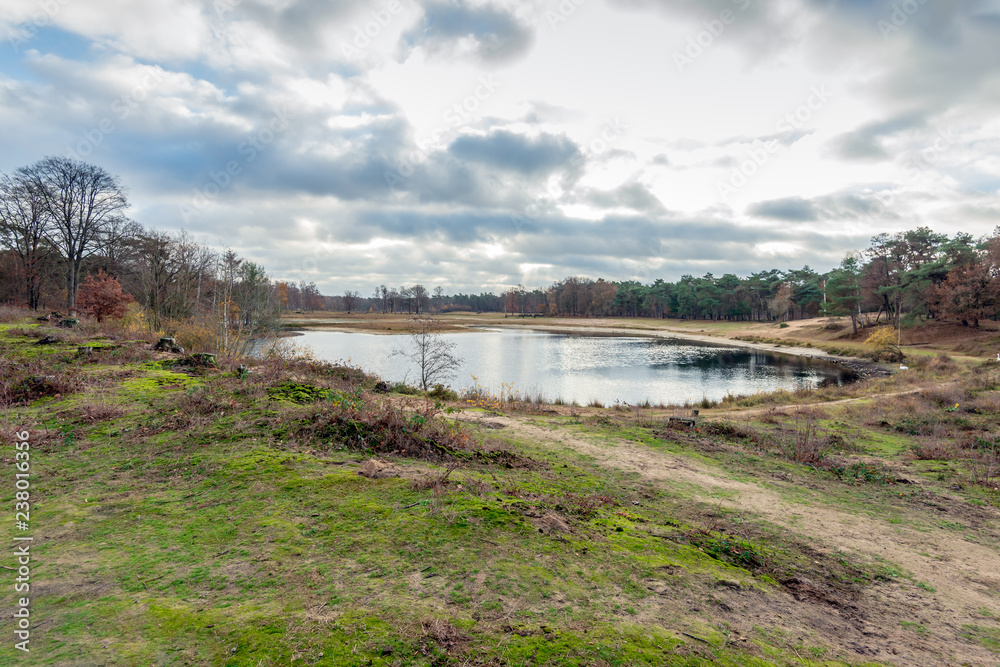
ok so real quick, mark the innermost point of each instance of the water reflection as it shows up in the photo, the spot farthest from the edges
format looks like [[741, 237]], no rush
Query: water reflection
[[583, 368]]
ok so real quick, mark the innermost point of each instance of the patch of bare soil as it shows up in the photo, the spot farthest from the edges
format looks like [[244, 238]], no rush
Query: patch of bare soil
[[894, 622]]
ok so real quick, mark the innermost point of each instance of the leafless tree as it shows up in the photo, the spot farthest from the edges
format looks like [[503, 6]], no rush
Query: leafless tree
[[23, 224], [433, 354], [438, 298], [419, 293], [84, 205], [350, 301], [168, 274], [382, 292]]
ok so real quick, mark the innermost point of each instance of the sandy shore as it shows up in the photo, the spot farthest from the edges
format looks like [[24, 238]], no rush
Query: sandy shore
[[862, 367]]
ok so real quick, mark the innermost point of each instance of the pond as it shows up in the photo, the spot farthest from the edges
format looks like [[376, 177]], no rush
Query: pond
[[585, 368]]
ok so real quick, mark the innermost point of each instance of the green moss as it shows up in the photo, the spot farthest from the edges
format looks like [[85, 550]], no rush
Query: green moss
[[295, 392]]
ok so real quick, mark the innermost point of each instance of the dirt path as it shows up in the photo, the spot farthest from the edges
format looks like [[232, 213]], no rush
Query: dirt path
[[894, 623], [732, 414]]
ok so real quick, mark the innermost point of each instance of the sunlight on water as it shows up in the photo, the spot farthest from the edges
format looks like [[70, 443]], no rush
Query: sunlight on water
[[585, 368]]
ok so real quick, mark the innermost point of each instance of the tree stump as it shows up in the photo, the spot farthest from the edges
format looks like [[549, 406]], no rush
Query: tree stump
[[204, 359], [168, 344]]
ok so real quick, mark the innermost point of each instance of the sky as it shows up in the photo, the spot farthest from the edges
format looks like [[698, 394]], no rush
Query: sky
[[481, 144]]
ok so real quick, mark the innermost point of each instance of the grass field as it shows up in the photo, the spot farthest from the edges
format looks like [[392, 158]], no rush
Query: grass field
[[293, 515]]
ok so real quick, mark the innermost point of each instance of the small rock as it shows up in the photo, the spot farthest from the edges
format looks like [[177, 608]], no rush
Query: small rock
[[375, 469]]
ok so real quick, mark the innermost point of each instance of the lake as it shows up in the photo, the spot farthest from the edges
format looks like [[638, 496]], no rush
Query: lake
[[583, 368]]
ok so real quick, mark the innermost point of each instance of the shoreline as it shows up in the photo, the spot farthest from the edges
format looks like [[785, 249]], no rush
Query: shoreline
[[863, 368]]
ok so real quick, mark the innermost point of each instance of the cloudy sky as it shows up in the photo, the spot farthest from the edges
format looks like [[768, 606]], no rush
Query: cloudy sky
[[477, 144]]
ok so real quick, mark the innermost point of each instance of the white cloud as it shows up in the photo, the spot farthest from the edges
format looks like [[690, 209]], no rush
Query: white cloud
[[482, 110]]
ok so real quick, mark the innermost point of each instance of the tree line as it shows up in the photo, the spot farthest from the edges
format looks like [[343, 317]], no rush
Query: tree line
[[65, 233], [913, 275], [63, 219]]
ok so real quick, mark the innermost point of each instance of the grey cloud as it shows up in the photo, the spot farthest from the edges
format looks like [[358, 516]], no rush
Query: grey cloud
[[298, 23], [614, 154], [506, 150], [792, 209], [498, 35], [631, 195], [850, 205], [608, 248], [866, 142]]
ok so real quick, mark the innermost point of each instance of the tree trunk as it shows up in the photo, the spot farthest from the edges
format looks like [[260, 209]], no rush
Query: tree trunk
[[72, 279]]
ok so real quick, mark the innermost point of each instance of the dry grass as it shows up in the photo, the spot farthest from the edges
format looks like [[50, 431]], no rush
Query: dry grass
[[99, 407], [21, 383], [10, 314], [506, 400]]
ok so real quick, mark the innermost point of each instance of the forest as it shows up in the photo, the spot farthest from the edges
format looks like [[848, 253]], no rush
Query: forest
[[64, 232]]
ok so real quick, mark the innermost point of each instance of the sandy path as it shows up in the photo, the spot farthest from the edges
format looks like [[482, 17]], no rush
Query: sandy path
[[965, 575]]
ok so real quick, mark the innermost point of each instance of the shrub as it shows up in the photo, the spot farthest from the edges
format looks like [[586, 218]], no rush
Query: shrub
[[377, 426], [102, 297], [22, 383], [882, 343], [443, 393], [195, 335], [12, 314]]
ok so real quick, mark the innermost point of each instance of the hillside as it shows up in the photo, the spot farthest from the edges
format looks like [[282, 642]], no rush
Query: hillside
[[186, 514]]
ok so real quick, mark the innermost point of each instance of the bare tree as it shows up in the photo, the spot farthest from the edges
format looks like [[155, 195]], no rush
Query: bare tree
[[382, 292], [433, 354], [84, 204], [156, 270], [406, 294], [350, 301], [23, 224], [419, 293], [168, 274]]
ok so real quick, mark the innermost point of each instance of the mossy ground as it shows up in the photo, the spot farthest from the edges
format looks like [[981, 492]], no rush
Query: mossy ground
[[184, 519]]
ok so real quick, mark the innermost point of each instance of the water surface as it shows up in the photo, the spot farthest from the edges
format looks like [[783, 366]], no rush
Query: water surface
[[582, 368]]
